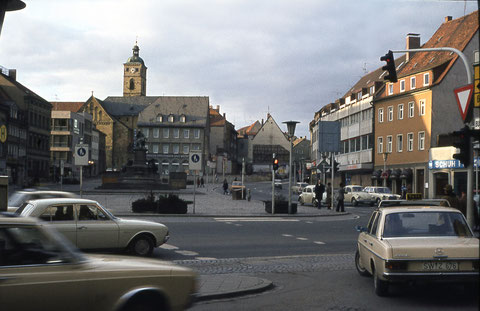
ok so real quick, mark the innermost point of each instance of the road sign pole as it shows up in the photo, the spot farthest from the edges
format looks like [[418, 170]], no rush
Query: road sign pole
[[194, 188], [273, 188], [81, 180]]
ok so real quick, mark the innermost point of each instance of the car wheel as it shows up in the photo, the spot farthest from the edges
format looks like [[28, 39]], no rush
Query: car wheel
[[361, 270], [354, 202], [381, 287], [141, 246]]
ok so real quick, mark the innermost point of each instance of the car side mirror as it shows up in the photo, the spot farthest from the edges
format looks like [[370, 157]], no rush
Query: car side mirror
[[360, 229]]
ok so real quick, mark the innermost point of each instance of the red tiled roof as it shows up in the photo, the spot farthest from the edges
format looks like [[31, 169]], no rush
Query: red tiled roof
[[215, 118], [66, 106], [456, 33]]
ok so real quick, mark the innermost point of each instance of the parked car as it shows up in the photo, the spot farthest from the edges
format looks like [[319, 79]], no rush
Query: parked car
[[381, 193], [412, 241], [40, 270], [355, 195], [237, 185], [298, 187], [308, 196], [19, 197], [90, 226]]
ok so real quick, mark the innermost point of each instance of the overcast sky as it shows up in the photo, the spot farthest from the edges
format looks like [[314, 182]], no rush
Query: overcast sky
[[289, 58]]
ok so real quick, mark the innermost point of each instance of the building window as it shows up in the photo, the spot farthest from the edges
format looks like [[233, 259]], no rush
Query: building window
[[380, 144], [410, 141], [166, 133], [196, 133], [165, 149], [399, 143], [426, 79], [421, 140], [146, 132], [186, 149], [390, 89], [159, 118], [400, 112], [372, 90], [411, 109], [186, 133], [176, 148], [196, 147], [389, 146], [170, 118], [176, 133], [390, 113], [422, 107], [359, 95], [156, 132], [380, 115], [183, 119], [413, 82], [155, 148], [402, 85]]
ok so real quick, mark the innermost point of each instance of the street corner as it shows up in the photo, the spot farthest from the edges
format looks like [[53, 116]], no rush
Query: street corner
[[220, 286]]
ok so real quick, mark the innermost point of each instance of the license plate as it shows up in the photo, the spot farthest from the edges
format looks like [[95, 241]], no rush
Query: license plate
[[440, 266]]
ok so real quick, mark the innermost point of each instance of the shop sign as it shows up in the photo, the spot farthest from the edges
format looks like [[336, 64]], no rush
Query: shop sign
[[443, 164]]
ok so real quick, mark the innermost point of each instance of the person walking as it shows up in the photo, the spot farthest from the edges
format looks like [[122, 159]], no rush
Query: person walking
[[329, 196], [341, 197], [202, 182], [319, 190], [452, 199], [225, 186]]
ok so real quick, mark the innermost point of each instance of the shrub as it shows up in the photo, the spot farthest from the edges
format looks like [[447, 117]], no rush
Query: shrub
[[166, 204]]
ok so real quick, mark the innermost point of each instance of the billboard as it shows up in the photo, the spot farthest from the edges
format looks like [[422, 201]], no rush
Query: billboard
[[328, 136]]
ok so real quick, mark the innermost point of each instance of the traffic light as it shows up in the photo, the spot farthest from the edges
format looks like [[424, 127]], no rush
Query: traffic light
[[461, 140], [336, 166], [275, 164], [390, 67]]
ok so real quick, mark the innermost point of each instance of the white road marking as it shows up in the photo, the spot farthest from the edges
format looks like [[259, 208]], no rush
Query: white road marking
[[205, 258], [168, 246], [318, 242], [253, 219], [187, 253], [309, 222], [302, 239], [287, 235]]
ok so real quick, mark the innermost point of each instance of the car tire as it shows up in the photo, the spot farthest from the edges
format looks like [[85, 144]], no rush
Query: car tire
[[381, 287], [361, 270], [141, 246], [354, 202]]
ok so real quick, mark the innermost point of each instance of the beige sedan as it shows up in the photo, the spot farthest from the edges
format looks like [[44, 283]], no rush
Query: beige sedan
[[417, 243], [89, 226], [39, 270]]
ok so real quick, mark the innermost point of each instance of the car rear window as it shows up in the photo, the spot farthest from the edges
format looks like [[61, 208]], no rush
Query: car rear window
[[425, 224]]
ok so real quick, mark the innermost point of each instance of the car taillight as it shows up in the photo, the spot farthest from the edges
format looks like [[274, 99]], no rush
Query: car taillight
[[396, 265]]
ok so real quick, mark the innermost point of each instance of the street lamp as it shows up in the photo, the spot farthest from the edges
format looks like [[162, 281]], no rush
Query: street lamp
[[291, 131], [385, 157], [7, 6]]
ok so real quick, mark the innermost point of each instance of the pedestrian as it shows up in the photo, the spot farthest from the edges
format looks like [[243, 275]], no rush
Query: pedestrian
[[319, 190], [198, 182], [404, 192], [329, 196], [341, 197], [216, 178], [225, 186], [202, 182], [452, 199]]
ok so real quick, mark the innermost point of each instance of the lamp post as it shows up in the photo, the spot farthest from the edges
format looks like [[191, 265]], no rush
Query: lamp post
[[291, 131], [8, 6], [385, 157]]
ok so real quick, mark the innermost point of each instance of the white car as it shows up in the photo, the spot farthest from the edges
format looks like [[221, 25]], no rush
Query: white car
[[381, 193], [90, 226], [40, 270], [299, 187], [308, 196], [356, 195], [19, 197]]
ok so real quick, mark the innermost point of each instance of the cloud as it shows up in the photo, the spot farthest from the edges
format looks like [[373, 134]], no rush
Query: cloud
[[288, 58]]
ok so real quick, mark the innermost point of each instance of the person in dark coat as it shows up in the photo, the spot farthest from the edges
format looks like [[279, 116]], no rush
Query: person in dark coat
[[225, 186], [341, 197], [319, 190], [452, 199]]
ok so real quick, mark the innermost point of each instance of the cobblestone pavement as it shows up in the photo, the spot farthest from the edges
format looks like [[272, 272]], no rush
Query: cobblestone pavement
[[282, 264]]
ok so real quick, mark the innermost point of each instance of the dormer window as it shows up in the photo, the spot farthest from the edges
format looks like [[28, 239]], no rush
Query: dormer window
[[170, 118], [183, 118], [159, 118], [390, 89], [426, 79], [359, 95]]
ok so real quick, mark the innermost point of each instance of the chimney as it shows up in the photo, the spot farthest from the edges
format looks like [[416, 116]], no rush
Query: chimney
[[218, 108], [448, 18], [12, 73], [413, 42], [224, 116]]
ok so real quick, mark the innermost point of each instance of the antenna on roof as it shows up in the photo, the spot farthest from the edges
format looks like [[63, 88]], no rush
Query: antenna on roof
[[364, 68]]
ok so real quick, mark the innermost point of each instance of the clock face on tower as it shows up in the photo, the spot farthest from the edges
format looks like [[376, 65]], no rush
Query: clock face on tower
[[132, 70]]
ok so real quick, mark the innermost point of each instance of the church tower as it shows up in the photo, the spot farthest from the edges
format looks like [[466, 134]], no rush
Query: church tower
[[135, 75]]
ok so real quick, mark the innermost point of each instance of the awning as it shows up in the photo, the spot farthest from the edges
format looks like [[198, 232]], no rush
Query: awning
[[406, 173], [395, 174], [376, 174]]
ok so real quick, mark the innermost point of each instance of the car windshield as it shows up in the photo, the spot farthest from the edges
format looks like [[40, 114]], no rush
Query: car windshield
[[16, 199], [425, 224], [383, 190], [357, 189]]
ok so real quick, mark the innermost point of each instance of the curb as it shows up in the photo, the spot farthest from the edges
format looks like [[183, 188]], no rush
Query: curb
[[226, 215], [264, 286]]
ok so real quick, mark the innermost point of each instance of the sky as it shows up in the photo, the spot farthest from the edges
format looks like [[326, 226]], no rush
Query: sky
[[250, 57]]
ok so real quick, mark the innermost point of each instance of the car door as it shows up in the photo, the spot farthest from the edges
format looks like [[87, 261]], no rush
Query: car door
[[366, 241], [348, 194], [30, 282], [309, 195], [95, 229], [61, 217]]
